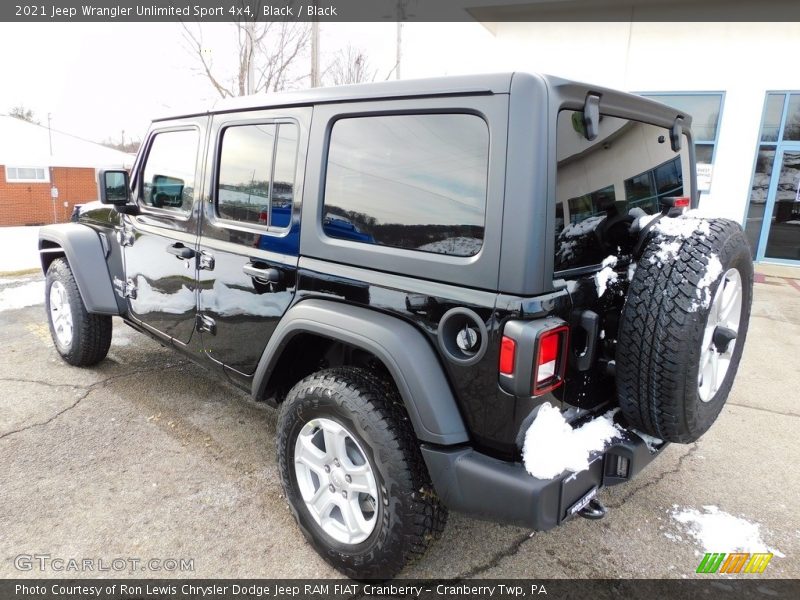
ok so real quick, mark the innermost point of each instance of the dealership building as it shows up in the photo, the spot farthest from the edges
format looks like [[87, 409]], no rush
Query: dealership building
[[739, 81], [44, 173]]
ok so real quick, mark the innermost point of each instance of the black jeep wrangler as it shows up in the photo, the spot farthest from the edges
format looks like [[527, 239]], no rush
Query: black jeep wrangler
[[412, 272]]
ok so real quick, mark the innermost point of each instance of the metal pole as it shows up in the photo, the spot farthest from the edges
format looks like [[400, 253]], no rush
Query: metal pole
[[399, 47], [315, 78], [251, 34], [49, 134]]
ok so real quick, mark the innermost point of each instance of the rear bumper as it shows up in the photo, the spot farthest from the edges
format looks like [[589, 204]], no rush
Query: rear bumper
[[487, 488]]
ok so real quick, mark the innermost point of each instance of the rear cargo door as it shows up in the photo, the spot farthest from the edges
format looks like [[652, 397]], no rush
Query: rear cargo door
[[603, 186]]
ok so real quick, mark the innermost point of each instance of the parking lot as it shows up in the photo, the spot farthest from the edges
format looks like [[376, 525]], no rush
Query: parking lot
[[147, 456]]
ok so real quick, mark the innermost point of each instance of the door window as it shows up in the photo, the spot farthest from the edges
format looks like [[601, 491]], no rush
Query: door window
[[256, 174], [169, 173]]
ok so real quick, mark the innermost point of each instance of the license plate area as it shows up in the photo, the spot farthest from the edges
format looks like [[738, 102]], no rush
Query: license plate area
[[578, 489]]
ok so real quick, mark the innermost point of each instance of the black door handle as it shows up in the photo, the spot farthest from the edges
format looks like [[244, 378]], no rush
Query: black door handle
[[180, 251], [270, 274]]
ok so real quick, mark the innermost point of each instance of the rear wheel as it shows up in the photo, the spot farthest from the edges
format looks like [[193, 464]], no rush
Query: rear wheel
[[81, 338], [683, 329], [353, 474]]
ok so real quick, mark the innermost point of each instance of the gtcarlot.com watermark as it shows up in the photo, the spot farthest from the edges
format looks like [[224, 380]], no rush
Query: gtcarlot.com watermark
[[117, 564]]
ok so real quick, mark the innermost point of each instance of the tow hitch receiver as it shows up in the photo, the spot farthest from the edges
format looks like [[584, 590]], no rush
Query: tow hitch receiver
[[589, 507], [594, 510]]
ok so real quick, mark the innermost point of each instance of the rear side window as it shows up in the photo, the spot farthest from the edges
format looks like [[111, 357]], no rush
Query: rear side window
[[256, 174], [169, 173], [409, 181], [603, 184]]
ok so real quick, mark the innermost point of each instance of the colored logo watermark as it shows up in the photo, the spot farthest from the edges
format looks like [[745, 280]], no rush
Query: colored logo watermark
[[741, 562]]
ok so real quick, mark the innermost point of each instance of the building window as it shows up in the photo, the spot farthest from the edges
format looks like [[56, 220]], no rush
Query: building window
[[706, 110], [256, 174], [780, 134], [27, 174], [409, 181]]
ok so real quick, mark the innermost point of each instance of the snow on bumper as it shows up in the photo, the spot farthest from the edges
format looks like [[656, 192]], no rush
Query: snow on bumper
[[496, 490]]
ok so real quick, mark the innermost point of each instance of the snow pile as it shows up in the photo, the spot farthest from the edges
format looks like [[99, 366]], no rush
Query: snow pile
[[20, 296], [552, 446], [606, 275], [718, 531]]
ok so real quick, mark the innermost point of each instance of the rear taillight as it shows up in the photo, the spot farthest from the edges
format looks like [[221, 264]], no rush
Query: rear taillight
[[550, 360], [682, 202], [508, 351], [533, 356]]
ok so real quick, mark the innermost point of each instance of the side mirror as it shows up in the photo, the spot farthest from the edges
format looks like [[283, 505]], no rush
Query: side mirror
[[114, 187]]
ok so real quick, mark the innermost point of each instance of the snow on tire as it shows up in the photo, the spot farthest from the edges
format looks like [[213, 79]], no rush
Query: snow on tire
[[683, 327]]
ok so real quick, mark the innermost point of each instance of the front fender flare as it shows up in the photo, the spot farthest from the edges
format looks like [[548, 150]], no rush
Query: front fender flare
[[87, 259], [407, 355]]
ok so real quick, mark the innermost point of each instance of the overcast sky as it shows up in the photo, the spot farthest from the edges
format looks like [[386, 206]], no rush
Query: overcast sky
[[99, 79]]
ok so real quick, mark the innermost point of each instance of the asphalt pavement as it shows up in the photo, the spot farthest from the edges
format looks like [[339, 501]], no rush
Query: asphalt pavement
[[147, 456]]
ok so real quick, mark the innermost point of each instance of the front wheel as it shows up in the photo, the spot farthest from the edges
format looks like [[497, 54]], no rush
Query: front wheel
[[353, 474], [81, 338]]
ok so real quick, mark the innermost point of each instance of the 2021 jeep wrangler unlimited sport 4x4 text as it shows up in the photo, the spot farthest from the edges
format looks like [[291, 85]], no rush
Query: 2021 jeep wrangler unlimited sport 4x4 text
[[412, 272]]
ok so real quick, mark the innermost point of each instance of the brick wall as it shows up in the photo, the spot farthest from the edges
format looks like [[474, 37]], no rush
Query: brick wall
[[30, 203]]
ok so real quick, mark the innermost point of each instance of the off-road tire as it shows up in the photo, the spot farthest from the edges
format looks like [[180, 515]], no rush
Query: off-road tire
[[661, 333], [410, 515], [91, 333]]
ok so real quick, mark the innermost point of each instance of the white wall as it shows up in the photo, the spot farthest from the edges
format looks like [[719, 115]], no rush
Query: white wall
[[745, 60]]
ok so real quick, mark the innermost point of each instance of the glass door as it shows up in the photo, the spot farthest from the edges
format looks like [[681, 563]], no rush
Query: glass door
[[780, 235], [773, 219]]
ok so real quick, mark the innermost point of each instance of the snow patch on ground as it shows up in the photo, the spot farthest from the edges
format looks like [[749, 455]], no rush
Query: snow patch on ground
[[606, 275], [717, 531], [552, 446], [20, 296], [19, 249]]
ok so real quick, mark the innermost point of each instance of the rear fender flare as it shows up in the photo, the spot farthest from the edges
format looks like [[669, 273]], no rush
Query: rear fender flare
[[86, 256], [404, 351]]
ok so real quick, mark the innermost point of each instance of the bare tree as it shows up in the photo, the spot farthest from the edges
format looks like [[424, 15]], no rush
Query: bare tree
[[267, 52], [350, 65], [26, 114]]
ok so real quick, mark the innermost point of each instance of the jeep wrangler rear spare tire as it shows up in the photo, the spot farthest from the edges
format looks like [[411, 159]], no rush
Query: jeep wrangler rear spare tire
[[683, 327], [353, 474], [81, 338]]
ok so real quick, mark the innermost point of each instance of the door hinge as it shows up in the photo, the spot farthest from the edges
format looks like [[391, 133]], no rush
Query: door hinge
[[125, 237], [205, 261], [206, 324], [130, 289]]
